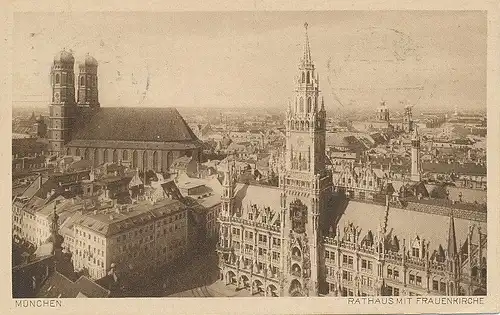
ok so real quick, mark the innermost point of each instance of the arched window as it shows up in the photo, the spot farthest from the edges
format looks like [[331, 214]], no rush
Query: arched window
[[106, 156], [115, 156], [301, 105], [155, 161], [169, 159], [309, 105], [303, 77], [134, 159], [77, 153], [125, 155], [58, 78], [86, 154], [308, 77], [145, 160], [96, 157], [82, 80]]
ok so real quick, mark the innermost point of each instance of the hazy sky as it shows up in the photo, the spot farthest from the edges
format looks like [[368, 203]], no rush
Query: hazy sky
[[431, 59]]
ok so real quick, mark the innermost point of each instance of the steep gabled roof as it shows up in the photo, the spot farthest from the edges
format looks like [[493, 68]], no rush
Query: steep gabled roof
[[133, 124]]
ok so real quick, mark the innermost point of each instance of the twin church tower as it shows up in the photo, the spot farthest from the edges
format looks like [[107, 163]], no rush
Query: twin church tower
[[63, 108]]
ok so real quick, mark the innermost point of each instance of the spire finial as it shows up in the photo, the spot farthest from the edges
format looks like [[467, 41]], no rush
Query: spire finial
[[307, 49]]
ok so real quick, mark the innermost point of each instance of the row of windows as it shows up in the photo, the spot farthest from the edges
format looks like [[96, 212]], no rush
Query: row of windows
[[309, 104], [19, 166], [58, 79], [97, 154], [84, 234], [64, 76], [150, 227], [90, 249], [93, 80], [90, 258], [370, 182], [299, 183]]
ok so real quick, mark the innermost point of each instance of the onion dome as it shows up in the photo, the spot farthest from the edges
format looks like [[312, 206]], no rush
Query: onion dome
[[64, 57], [88, 61]]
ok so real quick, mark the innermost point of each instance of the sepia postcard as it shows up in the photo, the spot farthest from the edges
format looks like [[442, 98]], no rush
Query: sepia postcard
[[251, 158]]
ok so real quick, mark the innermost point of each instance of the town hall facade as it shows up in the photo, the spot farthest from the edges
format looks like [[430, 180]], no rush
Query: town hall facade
[[305, 238]]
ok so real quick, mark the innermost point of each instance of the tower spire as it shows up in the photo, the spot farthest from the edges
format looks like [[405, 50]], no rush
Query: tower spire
[[307, 48], [452, 240]]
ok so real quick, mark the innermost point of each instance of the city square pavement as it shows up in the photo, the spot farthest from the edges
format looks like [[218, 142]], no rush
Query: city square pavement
[[216, 289], [192, 273]]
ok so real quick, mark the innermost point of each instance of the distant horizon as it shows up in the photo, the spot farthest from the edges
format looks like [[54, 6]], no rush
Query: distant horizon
[[277, 108], [249, 59]]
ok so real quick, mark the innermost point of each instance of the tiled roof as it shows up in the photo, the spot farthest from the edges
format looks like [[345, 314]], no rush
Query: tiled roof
[[468, 195], [28, 145], [461, 169], [58, 286], [262, 196], [113, 222], [133, 124], [405, 224], [90, 289]]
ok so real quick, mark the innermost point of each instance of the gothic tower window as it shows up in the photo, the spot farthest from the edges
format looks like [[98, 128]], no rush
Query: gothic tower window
[[308, 77], [96, 157], [115, 156], [301, 104], [77, 152], [125, 155], [145, 160], [58, 79], [303, 77], [134, 159], [309, 105], [155, 160], [106, 155], [82, 80], [169, 159]]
